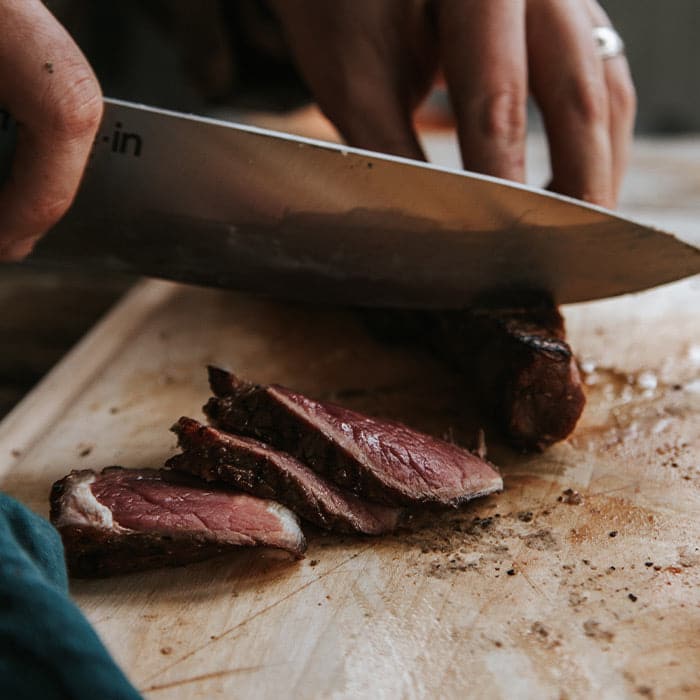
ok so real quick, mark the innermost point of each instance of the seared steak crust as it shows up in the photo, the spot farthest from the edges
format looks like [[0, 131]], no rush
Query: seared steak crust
[[254, 467], [380, 460], [513, 349]]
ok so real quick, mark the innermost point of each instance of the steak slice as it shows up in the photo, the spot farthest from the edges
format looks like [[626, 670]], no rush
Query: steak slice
[[258, 469], [380, 460], [123, 520], [513, 349]]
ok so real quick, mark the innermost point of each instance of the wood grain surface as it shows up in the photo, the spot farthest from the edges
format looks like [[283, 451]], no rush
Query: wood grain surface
[[581, 580], [519, 595]]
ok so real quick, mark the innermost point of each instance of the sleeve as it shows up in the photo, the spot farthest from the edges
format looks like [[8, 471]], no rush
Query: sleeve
[[48, 649]]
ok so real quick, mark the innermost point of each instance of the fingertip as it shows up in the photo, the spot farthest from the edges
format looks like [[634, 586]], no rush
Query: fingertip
[[76, 106], [17, 250], [599, 197], [375, 119], [394, 136]]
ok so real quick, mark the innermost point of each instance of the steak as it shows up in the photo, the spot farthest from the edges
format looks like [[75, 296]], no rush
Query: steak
[[513, 349], [123, 520], [380, 460], [259, 469]]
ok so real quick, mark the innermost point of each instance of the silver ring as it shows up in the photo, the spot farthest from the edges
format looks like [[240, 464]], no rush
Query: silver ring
[[608, 42]]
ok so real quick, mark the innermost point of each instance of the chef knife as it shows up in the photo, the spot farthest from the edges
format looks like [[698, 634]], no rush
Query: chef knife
[[209, 202]]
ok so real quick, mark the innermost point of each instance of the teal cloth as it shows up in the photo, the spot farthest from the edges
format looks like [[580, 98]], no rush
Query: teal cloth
[[47, 648]]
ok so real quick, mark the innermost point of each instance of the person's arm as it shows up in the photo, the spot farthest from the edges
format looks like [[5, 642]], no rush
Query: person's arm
[[48, 87], [369, 64]]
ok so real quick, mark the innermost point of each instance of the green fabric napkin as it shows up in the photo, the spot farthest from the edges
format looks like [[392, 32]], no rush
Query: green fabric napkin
[[47, 648]]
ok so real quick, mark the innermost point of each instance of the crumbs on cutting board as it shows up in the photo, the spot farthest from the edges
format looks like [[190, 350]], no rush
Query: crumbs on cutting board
[[84, 449], [598, 579], [459, 543]]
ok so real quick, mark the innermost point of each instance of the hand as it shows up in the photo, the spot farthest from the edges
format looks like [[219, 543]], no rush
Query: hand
[[369, 65], [47, 85]]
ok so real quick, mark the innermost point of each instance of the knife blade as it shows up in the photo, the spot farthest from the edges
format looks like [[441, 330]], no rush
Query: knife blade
[[208, 202]]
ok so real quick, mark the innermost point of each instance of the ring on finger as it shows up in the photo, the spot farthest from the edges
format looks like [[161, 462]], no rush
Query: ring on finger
[[608, 42]]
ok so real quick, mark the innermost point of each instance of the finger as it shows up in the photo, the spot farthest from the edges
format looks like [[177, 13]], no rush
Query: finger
[[378, 122], [370, 112], [622, 104], [48, 86], [484, 58], [568, 82], [623, 108], [351, 56]]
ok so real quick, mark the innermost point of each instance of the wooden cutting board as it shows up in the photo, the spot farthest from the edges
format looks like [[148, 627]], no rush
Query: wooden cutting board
[[529, 594], [431, 612]]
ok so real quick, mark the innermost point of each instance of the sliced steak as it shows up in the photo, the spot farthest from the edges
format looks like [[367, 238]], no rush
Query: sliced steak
[[257, 468], [512, 348], [379, 460], [123, 520]]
